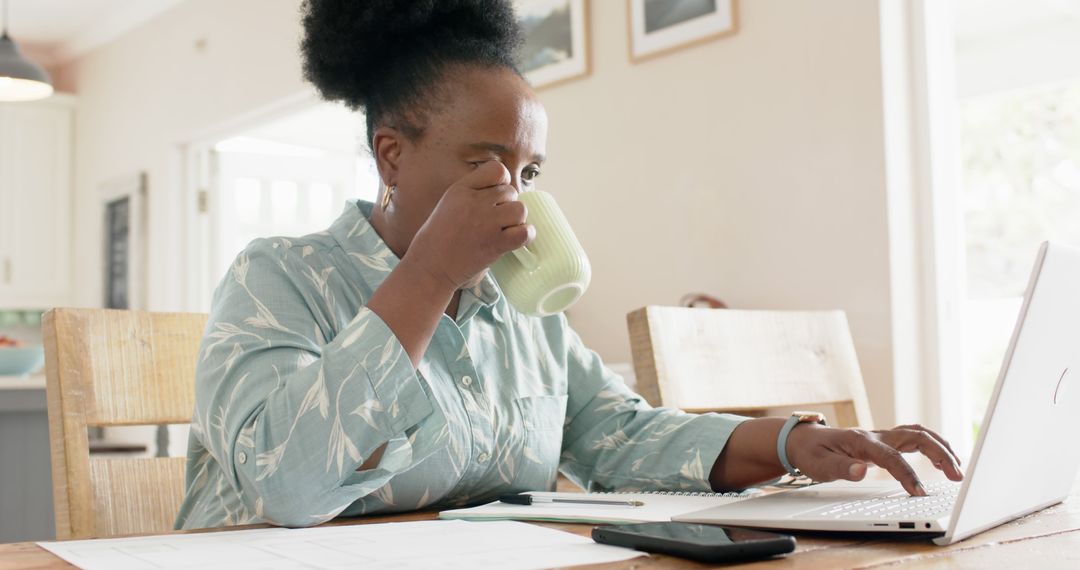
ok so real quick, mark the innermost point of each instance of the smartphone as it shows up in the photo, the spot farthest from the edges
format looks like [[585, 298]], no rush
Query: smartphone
[[703, 542]]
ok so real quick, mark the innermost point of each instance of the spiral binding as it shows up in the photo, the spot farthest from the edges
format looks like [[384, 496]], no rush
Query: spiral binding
[[669, 493]]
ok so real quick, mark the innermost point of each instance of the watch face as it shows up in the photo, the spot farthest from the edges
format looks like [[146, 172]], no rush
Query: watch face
[[810, 417]]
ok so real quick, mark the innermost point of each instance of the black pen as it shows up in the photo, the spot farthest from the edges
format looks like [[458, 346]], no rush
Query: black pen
[[527, 499]]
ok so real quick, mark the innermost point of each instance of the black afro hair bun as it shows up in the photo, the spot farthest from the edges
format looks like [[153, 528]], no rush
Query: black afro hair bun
[[382, 55]]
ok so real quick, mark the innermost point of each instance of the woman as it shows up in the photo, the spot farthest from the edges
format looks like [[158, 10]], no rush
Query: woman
[[375, 367]]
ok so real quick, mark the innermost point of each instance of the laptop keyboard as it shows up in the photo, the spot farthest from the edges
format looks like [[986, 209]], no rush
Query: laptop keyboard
[[940, 498]]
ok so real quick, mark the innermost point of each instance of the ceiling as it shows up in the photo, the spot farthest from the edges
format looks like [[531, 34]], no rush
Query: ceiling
[[55, 31]]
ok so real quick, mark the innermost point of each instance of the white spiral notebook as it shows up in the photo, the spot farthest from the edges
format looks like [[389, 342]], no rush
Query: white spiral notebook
[[658, 506]]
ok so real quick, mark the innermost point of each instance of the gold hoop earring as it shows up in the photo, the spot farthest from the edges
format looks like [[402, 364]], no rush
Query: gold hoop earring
[[387, 194]]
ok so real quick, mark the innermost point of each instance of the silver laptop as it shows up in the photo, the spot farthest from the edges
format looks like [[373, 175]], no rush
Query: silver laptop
[[1026, 458]]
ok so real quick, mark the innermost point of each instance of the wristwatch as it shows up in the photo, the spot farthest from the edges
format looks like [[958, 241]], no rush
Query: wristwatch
[[781, 441]]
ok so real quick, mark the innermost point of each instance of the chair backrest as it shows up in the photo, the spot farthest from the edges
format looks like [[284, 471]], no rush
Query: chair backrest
[[114, 368], [749, 362]]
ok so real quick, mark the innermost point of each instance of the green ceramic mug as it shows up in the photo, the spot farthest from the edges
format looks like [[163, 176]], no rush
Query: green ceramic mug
[[551, 273]]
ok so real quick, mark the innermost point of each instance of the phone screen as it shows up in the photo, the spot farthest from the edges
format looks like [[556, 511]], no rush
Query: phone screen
[[700, 534]]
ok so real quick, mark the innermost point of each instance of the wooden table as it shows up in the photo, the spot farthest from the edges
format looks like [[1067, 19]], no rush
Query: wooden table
[[1047, 539]]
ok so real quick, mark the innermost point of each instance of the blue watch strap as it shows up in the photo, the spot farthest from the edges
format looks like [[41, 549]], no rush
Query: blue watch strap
[[781, 446], [781, 440]]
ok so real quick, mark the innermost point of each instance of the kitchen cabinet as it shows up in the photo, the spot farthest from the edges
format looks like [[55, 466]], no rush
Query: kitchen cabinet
[[36, 203], [25, 472]]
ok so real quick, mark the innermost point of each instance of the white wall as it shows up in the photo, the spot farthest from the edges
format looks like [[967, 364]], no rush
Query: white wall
[[192, 68], [750, 167]]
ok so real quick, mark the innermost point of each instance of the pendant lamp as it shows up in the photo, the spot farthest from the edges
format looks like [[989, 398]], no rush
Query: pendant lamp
[[20, 78]]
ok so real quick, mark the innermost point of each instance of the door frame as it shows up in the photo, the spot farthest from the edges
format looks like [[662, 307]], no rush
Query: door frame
[[926, 224], [193, 153]]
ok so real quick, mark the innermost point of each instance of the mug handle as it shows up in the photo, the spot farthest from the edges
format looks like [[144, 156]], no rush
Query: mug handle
[[527, 258]]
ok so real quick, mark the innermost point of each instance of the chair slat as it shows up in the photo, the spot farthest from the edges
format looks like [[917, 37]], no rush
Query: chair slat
[[136, 495], [727, 360]]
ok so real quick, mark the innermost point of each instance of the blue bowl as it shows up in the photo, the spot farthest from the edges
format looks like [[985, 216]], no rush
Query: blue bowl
[[21, 360]]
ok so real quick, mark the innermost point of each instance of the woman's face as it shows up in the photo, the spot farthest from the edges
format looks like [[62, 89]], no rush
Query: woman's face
[[487, 114]]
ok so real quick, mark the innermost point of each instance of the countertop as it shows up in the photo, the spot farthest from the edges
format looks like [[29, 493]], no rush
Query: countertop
[[27, 382], [22, 393]]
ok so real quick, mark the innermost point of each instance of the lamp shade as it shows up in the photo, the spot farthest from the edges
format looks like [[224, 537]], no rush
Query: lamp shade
[[20, 78]]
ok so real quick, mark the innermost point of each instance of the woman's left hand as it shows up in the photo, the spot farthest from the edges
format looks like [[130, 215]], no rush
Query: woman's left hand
[[828, 454]]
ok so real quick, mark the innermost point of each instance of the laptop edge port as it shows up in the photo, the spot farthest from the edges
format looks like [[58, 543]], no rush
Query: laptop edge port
[[904, 525]]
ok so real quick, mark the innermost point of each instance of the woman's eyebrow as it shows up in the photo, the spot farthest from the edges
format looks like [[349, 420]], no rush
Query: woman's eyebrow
[[501, 149]]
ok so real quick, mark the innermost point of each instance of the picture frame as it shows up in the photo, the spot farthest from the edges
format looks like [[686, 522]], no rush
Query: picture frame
[[658, 27], [556, 47], [125, 232]]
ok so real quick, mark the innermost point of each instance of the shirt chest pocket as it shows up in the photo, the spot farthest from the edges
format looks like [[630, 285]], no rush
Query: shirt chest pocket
[[541, 420]]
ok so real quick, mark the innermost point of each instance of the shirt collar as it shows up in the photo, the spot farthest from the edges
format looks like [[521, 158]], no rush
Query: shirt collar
[[374, 260]]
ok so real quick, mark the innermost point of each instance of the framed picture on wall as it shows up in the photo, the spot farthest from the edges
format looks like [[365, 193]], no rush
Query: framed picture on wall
[[556, 45], [662, 26], [125, 241]]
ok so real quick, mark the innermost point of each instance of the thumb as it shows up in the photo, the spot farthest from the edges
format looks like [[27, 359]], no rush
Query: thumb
[[835, 466], [856, 470]]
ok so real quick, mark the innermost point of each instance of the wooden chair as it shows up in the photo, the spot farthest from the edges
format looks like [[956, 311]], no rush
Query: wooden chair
[[753, 363], [116, 368]]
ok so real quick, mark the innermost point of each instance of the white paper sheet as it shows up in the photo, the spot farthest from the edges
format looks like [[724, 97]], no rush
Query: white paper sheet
[[406, 545]]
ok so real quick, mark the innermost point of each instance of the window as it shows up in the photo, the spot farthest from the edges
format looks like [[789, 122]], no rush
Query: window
[[996, 171], [1021, 165]]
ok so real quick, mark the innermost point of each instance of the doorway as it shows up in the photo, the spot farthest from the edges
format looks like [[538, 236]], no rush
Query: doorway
[[290, 174]]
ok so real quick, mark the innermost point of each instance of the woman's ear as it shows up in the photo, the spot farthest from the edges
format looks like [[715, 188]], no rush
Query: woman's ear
[[386, 145]]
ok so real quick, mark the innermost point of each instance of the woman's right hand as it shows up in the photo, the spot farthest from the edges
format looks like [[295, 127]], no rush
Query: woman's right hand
[[476, 221]]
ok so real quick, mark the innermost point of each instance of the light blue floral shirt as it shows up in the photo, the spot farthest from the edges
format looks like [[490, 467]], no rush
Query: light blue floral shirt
[[298, 382]]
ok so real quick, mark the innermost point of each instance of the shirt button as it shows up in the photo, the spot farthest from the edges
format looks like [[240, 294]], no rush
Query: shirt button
[[242, 457], [466, 380], [483, 457]]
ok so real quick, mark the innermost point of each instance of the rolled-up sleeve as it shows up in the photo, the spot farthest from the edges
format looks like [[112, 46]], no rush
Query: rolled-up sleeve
[[288, 414], [614, 440]]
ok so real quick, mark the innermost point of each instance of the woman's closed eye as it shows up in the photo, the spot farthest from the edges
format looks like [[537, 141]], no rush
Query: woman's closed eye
[[476, 163]]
